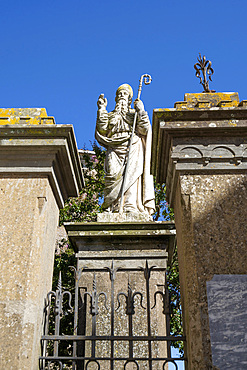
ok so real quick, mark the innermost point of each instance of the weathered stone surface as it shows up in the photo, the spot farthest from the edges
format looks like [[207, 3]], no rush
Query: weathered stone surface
[[28, 217], [227, 300], [201, 139], [200, 153], [45, 151], [124, 217], [112, 239], [214, 99], [39, 169], [210, 213], [29, 116]]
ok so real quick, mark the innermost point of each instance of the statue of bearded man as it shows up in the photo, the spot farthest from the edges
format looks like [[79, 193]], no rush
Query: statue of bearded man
[[113, 131]]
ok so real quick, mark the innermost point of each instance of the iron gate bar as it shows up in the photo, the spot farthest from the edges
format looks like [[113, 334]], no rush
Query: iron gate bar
[[112, 271], [78, 359], [142, 359], [121, 269], [77, 274], [94, 310], [136, 338], [112, 358], [147, 272], [166, 361], [130, 310]]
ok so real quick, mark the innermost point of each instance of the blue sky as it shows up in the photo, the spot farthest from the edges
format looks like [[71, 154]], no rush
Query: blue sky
[[62, 54]]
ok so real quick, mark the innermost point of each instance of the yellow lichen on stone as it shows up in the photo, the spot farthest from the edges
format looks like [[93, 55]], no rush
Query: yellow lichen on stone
[[225, 103], [243, 103], [213, 98], [28, 116], [203, 104], [180, 105], [232, 123]]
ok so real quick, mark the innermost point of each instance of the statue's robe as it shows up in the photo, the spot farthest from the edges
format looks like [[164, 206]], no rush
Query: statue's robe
[[113, 131]]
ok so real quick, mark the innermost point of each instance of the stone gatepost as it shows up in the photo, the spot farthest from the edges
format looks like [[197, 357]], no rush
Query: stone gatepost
[[200, 152], [39, 169]]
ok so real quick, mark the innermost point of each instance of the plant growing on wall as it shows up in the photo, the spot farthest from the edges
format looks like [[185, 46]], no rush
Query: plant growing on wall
[[87, 205]]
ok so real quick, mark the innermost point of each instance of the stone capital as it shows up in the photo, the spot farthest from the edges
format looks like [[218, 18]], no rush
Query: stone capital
[[42, 150], [198, 139]]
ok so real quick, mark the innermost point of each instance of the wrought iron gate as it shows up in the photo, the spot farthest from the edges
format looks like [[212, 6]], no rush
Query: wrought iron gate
[[112, 328]]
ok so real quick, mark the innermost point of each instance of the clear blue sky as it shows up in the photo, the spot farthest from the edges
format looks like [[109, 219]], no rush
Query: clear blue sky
[[62, 54]]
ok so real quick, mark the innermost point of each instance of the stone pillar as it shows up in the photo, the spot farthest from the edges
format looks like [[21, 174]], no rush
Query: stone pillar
[[200, 152], [39, 169], [123, 247]]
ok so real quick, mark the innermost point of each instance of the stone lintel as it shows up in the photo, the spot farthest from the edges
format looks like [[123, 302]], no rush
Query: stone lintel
[[42, 151], [139, 240]]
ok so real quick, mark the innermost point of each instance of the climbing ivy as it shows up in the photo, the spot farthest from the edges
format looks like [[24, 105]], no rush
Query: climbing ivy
[[88, 204]]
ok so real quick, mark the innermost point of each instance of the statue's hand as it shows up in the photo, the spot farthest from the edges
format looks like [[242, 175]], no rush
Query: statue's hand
[[139, 106], [102, 102]]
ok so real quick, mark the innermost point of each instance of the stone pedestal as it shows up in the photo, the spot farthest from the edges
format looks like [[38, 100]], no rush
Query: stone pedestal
[[111, 254], [39, 169], [200, 152]]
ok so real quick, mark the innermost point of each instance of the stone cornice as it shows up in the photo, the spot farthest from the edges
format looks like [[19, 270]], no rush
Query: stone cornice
[[107, 240], [42, 150], [196, 140]]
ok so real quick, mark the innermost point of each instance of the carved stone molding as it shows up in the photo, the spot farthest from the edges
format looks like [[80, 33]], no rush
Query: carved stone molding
[[42, 151], [194, 141], [189, 158]]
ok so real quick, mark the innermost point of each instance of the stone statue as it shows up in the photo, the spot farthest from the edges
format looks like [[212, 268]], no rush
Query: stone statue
[[113, 131]]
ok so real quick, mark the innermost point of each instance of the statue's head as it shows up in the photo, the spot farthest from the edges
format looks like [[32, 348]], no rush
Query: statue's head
[[124, 94]]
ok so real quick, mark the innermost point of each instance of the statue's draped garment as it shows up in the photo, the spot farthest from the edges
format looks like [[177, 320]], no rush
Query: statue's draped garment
[[113, 131]]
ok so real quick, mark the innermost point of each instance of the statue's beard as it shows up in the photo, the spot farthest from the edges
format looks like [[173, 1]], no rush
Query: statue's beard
[[122, 106]]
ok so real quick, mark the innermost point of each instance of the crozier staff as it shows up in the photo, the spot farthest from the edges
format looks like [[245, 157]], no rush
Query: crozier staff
[[113, 131]]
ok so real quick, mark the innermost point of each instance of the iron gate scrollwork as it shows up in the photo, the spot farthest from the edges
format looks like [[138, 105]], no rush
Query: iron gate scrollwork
[[98, 316]]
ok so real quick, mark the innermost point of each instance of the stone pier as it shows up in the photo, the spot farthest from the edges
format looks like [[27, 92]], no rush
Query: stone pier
[[39, 169], [200, 152], [114, 255]]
